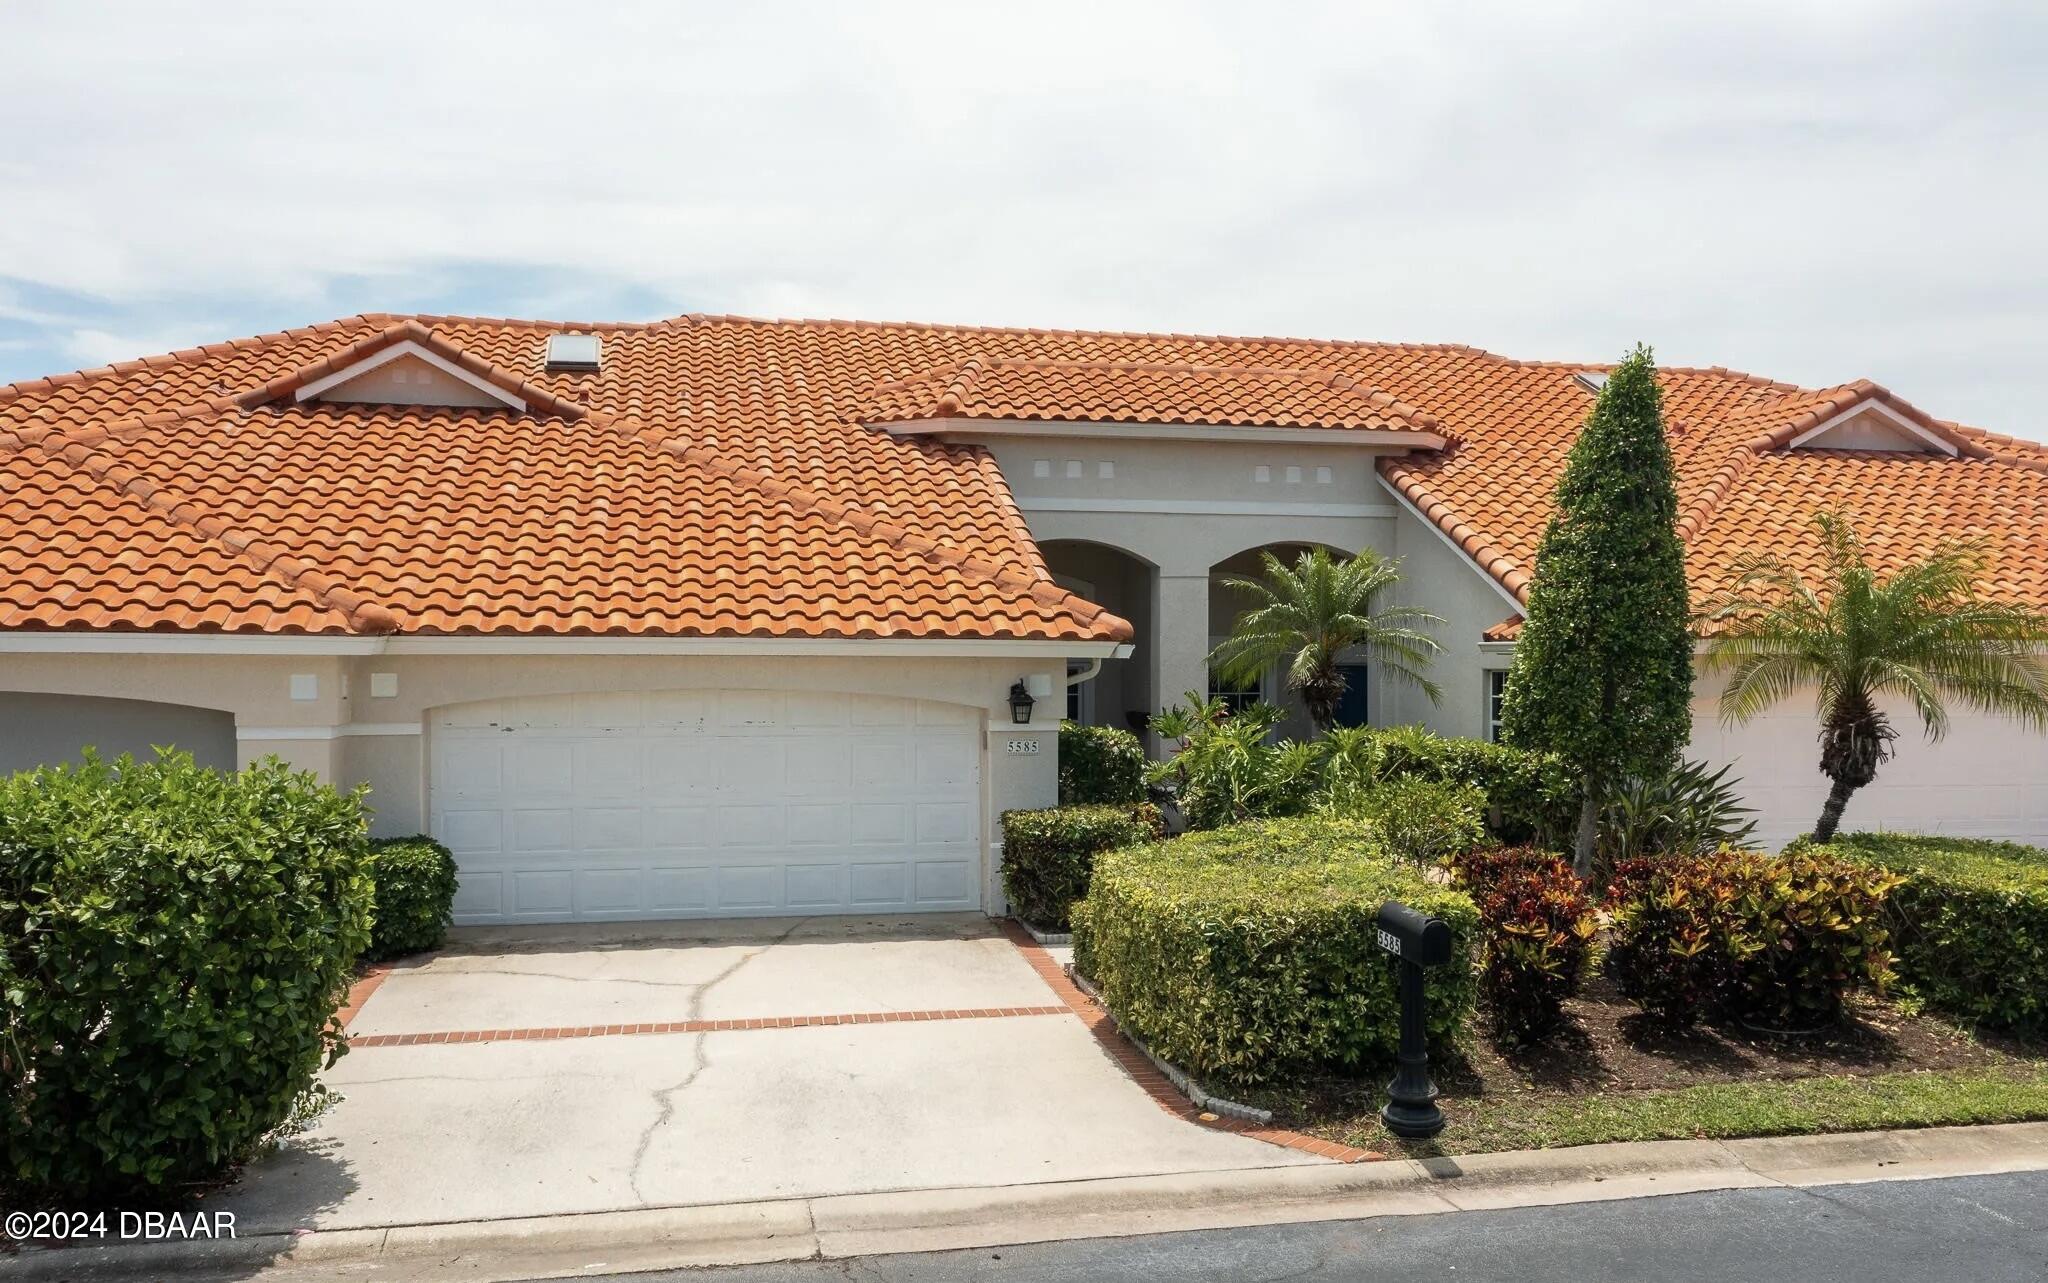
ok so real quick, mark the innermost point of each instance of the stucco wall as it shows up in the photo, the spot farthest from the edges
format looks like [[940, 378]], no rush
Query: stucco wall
[[1987, 778], [43, 730], [1443, 581]]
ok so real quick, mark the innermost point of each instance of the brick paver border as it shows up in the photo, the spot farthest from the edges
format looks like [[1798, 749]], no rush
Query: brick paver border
[[359, 992], [1143, 1072], [694, 1026]]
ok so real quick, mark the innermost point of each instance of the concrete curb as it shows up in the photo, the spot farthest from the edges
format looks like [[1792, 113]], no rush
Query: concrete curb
[[849, 1225], [1048, 939]]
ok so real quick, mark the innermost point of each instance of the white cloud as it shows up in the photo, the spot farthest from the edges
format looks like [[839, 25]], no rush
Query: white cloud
[[1814, 191]]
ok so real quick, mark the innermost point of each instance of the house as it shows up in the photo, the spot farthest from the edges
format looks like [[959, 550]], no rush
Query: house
[[728, 616]]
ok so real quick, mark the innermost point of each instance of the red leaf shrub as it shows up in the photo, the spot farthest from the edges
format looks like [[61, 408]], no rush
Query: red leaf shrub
[[1536, 929], [1773, 940]]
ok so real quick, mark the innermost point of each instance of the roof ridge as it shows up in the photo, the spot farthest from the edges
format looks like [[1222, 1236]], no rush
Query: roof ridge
[[50, 382], [408, 330], [357, 612], [1038, 587]]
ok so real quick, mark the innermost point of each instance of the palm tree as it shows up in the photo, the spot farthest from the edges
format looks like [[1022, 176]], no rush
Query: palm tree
[[1924, 634], [1308, 614]]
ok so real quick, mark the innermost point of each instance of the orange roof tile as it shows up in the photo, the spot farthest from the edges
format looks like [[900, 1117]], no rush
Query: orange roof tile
[[714, 477], [1143, 392]]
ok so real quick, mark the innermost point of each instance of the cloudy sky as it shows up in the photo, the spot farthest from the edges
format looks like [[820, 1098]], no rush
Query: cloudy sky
[[1815, 190]]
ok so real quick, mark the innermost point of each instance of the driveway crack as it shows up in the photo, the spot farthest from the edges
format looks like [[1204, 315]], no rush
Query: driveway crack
[[700, 1060]]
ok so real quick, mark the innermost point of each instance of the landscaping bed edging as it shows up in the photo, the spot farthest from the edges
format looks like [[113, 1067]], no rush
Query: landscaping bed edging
[[1049, 939], [1181, 1080]]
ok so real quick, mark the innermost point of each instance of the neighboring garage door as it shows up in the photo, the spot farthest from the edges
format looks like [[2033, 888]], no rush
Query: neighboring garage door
[[707, 804]]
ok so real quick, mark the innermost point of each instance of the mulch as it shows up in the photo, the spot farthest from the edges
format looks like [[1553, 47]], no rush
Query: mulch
[[1608, 1045]]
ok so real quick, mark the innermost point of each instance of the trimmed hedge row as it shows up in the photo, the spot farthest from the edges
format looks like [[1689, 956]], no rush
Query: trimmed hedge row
[[1969, 922], [1531, 797], [1248, 953], [415, 881], [1049, 855], [174, 942], [1100, 766]]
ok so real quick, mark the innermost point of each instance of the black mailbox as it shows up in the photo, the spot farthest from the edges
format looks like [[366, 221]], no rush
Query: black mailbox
[[1417, 942], [1411, 937]]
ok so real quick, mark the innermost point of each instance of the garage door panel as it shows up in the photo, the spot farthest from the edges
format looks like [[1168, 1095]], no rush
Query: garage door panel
[[878, 822], [608, 891], [542, 893], [884, 764], [552, 830], [750, 767], [608, 828], [814, 886], [678, 826], [682, 891], [878, 885], [748, 826], [742, 887], [540, 768], [608, 767], [943, 883], [466, 831], [699, 804]]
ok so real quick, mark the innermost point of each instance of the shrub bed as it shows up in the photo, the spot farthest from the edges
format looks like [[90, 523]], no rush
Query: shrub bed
[[1773, 940], [1536, 931], [1424, 820], [1049, 855], [173, 944], [1247, 953], [1531, 797], [415, 882], [1100, 766], [1969, 922]]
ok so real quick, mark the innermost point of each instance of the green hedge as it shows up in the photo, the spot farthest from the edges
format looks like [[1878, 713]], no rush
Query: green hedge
[[174, 942], [1969, 923], [415, 880], [1531, 797], [1100, 766], [1048, 855], [1248, 953]]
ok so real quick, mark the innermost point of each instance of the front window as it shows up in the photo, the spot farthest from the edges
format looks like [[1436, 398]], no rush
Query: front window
[[1236, 696], [1077, 692], [1496, 695]]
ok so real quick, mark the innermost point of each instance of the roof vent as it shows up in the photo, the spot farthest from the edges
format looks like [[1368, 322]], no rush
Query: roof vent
[[1592, 380], [572, 352]]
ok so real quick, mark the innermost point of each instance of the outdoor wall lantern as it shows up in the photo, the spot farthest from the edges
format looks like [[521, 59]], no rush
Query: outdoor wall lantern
[[1416, 942], [1020, 703]]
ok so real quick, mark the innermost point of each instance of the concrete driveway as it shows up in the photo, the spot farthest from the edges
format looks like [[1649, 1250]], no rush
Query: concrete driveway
[[815, 1056]]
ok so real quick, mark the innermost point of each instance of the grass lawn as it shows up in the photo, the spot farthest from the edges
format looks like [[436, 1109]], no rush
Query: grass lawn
[[1611, 1076]]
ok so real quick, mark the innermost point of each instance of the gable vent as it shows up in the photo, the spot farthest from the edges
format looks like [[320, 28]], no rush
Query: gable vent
[[573, 352]]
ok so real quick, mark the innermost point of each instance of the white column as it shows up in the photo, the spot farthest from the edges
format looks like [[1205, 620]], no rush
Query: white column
[[1180, 635]]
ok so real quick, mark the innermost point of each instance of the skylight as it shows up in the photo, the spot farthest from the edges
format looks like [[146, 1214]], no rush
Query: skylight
[[572, 352], [1592, 380]]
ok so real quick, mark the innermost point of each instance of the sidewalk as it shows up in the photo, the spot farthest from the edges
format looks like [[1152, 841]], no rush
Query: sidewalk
[[852, 1225]]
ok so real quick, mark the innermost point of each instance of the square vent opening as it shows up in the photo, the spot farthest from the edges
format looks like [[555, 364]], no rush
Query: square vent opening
[[573, 352]]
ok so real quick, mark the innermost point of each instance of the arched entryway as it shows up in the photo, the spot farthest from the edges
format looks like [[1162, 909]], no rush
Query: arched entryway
[[1227, 604], [1124, 584]]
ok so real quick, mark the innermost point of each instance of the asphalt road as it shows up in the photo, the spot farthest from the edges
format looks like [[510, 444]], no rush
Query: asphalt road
[[1984, 1229]]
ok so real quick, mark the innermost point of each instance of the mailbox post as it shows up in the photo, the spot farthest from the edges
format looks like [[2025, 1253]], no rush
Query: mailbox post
[[1416, 942]]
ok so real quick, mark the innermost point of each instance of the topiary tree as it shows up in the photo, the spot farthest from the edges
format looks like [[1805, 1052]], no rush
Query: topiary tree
[[1603, 672]]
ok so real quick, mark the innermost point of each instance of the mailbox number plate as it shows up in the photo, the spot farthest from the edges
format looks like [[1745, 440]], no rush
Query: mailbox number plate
[[1389, 941]]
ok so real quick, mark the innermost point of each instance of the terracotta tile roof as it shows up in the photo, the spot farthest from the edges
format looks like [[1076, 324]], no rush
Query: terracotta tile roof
[[714, 476], [1144, 392]]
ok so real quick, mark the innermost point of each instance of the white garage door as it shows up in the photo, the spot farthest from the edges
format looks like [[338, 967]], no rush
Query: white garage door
[[707, 804]]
